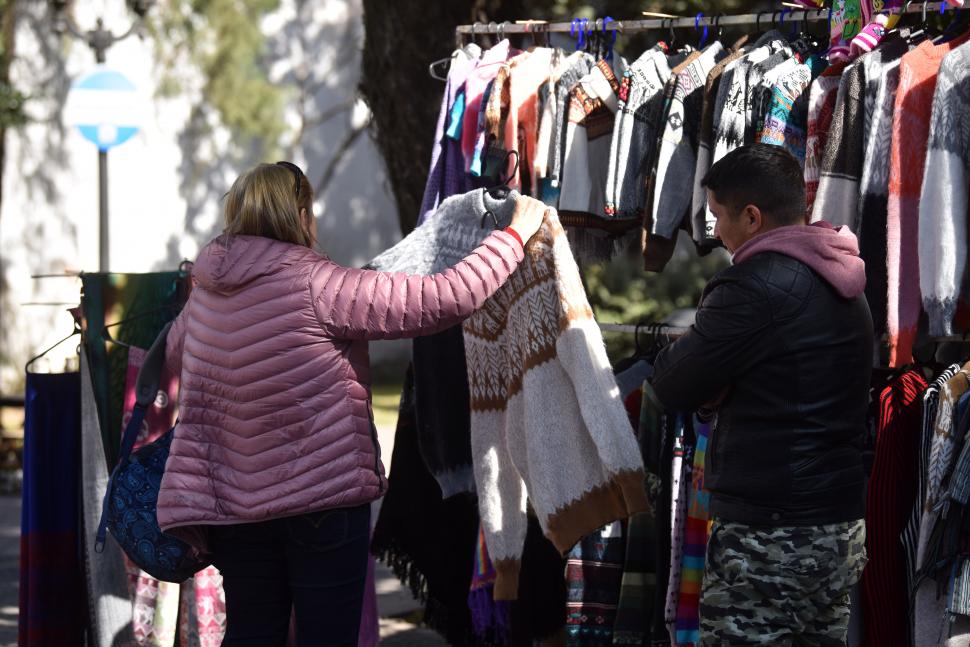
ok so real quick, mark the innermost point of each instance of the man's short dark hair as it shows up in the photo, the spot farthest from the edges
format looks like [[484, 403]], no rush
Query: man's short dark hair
[[768, 177]]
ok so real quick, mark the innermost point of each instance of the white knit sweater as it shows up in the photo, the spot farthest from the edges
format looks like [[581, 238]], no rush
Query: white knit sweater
[[943, 202], [548, 424]]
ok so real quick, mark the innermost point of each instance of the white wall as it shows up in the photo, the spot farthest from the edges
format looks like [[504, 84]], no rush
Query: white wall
[[165, 183]]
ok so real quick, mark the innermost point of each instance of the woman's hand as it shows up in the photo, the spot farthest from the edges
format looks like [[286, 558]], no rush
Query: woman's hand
[[527, 217]]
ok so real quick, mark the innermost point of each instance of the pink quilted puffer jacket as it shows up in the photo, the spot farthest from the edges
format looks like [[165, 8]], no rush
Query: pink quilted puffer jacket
[[275, 414]]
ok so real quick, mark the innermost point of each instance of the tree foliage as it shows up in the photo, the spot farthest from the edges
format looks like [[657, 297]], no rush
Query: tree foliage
[[223, 39]]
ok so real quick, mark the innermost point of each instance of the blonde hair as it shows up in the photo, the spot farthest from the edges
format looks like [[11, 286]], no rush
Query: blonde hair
[[263, 202]]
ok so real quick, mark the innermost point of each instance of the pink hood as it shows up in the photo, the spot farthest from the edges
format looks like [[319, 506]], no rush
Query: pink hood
[[832, 253]]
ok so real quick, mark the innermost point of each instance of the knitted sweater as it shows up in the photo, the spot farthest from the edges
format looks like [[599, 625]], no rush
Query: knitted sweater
[[634, 132], [446, 176], [528, 71], [703, 228], [579, 67], [911, 124], [763, 95], [738, 96], [943, 205], [882, 79], [787, 113], [821, 105], [441, 402], [837, 198], [475, 86], [589, 134], [677, 158], [548, 424]]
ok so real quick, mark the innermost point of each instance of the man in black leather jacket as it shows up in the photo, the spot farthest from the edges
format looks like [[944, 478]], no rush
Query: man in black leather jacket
[[782, 347]]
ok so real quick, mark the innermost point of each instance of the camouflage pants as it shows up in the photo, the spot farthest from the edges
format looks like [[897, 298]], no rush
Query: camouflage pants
[[780, 586]]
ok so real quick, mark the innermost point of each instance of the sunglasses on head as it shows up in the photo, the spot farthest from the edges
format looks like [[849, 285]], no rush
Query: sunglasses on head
[[297, 173]]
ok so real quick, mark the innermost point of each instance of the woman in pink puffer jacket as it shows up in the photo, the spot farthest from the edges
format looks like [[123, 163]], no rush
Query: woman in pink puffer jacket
[[275, 458]]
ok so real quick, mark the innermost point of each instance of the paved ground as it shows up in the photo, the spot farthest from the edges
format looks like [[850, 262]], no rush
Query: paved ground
[[397, 608]]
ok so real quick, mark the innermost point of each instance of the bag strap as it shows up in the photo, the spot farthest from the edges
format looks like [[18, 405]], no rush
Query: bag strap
[[146, 389]]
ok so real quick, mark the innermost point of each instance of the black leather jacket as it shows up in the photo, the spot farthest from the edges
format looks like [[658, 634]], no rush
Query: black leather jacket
[[795, 360]]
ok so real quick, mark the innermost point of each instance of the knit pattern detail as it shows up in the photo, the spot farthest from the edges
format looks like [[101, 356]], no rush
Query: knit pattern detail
[[943, 207], [918, 73], [837, 199], [548, 424], [635, 133], [821, 106], [678, 145]]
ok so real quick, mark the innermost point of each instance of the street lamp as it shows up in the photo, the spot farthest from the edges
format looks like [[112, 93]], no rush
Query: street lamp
[[99, 40]]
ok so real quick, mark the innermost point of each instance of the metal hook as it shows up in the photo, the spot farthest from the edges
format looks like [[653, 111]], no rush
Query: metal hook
[[924, 12], [757, 21]]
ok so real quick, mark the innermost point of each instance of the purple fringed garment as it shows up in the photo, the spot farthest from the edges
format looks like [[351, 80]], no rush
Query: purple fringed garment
[[447, 174], [489, 618]]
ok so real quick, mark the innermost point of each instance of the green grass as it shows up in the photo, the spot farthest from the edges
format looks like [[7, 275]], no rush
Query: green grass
[[386, 398]]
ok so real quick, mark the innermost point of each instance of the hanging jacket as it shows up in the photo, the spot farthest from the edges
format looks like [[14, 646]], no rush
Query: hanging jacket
[[275, 411], [785, 337]]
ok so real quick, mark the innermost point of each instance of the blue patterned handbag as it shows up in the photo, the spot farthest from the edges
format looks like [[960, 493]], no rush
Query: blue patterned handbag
[[131, 499]]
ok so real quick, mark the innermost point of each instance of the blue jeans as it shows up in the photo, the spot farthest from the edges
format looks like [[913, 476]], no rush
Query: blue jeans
[[314, 564]]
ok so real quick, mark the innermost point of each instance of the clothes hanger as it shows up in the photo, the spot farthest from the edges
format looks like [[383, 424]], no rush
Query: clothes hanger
[[501, 190], [697, 22], [612, 43], [106, 335], [76, 331]]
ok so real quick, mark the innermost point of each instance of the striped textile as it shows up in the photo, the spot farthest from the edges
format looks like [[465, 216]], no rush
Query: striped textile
[[697, 531], [891, 494], [910, 534]]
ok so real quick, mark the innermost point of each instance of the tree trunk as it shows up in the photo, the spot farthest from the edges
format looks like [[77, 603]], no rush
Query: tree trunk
[[401, 39]]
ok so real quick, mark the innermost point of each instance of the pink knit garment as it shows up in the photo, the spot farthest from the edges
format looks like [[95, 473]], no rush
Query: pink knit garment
[[475, 85], [911, 125]]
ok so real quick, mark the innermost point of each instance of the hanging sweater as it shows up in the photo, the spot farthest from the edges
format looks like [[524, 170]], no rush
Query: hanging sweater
[[547, 117], [739, 95], [475, 85], [635, 132], [677, 158], [891, 494], [837, 198], [911, 124], [882, 79], [548, 424], [441, 395], [589, 134], [943, 205], [703, 228], [821, 106], [787, 115], [528, 71], [579, 67], [763, 94], [446, 175]]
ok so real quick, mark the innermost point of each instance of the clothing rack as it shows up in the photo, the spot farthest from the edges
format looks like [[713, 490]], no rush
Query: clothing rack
[[670, 331], [623, 26], [677, 331]]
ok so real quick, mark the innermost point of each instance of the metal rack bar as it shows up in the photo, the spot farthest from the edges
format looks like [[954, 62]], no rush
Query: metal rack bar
[[766, 17], [670, 331]]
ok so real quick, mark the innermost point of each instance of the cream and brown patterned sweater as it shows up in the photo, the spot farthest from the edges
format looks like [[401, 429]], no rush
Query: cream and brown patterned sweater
[[548, 424]]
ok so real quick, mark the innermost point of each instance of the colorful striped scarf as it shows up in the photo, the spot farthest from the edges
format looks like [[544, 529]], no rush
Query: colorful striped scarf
[[488, 616], [698, 529]]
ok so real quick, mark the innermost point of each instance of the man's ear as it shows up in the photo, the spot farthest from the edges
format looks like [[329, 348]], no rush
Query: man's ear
[[753, 219]]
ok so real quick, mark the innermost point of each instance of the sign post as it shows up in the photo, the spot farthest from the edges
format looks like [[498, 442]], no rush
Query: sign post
[[107, 110]]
